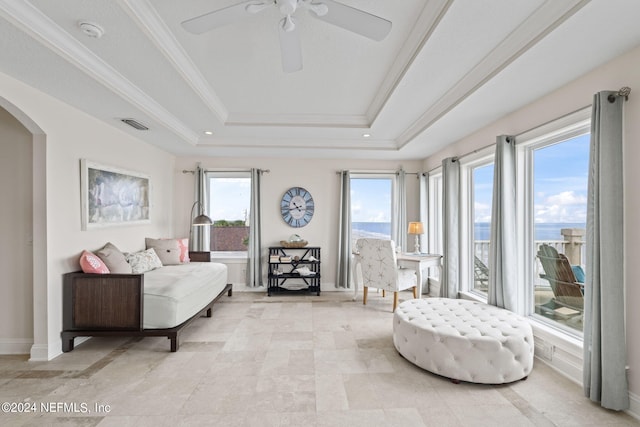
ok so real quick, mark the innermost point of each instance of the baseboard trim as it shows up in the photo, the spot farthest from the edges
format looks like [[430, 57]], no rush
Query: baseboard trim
[[39, 353], [15, 345], [634, 406]]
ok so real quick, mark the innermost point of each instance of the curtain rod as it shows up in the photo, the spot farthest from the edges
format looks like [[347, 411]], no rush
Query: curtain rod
[[221, 170], [624, 91], [378, 173]]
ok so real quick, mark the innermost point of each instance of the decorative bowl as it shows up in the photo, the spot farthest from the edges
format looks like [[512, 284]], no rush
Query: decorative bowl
[[288, 244]]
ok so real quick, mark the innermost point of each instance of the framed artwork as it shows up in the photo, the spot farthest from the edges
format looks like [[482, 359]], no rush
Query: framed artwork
[[113, 197]]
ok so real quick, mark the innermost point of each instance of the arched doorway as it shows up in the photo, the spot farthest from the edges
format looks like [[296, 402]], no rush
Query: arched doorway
[[33, 195]]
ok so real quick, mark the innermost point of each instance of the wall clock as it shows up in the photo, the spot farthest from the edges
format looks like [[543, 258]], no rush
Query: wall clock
[[297, 207]]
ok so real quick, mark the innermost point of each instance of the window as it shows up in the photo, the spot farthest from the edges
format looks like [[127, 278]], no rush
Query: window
[[371, 206], [477, 191], [482, 192], [559, 212], [228, 206], [435, 212]]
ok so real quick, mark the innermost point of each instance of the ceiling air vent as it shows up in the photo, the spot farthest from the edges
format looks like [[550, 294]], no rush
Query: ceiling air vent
[[135, 124]]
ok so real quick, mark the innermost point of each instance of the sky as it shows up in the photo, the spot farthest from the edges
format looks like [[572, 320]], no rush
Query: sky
[[229, 198], [560, 188], [371, 200], [560, 184]]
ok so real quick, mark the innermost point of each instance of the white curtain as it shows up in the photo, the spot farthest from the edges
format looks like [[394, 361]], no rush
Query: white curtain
[[344, 233], [604, 373], [200, 236], [451, 227], [503, 258], [254, 261], [400, 232]]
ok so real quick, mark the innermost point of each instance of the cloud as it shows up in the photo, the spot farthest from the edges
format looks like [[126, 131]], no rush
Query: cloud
[[566, 206], [567, 198], [481, 212]]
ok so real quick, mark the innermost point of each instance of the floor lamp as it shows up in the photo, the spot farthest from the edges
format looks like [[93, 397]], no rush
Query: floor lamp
[[198, 221]]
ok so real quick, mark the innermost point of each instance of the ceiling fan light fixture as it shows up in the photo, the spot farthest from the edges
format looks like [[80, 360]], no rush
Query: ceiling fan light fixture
[[287, 7], [288, 24]]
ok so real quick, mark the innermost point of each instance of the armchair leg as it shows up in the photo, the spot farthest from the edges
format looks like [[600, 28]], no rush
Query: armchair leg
[[395, 301], [384, 293], [415, 292], [364, 295]]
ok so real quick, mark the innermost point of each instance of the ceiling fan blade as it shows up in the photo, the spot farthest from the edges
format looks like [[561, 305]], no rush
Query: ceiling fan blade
[[290, 49], [217, 18], [355, 20]]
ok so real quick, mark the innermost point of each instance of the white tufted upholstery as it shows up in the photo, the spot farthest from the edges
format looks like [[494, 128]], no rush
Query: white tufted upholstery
[[377, 265], [464, 340]]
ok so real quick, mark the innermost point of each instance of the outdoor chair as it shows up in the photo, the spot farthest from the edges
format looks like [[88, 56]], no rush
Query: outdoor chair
[[480, 274], [568, 292], [377, 265]]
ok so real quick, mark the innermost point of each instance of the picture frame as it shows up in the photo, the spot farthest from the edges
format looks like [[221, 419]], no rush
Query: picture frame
[[113, 197]]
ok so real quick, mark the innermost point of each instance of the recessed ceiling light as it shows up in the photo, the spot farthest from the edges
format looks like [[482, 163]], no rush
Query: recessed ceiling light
[[208, 132], [366, 135]]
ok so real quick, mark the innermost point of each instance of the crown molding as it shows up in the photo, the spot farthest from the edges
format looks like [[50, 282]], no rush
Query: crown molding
[[40, 27], [540, 23], [299, 143], [298, 120], [425, 25], [148, 19]]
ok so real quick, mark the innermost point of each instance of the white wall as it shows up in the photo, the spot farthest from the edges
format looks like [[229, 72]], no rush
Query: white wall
[[71, 135], [318, 176], [16, 262], [622, 71]]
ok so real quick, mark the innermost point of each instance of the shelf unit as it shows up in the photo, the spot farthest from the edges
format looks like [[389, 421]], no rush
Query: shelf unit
[[282, 263]]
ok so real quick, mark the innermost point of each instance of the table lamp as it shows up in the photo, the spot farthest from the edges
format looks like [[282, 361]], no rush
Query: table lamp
[[416, 228]]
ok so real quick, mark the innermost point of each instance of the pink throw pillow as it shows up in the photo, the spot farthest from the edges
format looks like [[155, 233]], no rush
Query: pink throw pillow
[[183, 244], [91, 263]]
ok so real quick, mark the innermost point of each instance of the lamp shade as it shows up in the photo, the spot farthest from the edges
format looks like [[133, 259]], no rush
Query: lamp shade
[[416, 228], [201, 219]]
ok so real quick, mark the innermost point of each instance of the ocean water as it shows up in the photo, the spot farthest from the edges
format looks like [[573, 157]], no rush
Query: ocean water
[[543, 231], [371, 229]]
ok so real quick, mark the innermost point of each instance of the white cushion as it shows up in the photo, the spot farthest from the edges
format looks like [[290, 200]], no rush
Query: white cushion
[[464, 340]]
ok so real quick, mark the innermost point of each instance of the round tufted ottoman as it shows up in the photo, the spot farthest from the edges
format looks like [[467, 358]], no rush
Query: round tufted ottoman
[[464, 340]]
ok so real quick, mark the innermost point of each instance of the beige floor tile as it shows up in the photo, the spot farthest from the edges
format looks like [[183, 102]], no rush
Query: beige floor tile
[[286, 360]]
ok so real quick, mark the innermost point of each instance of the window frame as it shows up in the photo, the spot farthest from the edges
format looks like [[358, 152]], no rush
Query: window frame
[[212, 174], [392, 175], [565, 128], [468, 164], [434, 219]]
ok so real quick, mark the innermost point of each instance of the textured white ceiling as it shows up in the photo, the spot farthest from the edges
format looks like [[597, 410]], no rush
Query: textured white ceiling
[[447, 68]]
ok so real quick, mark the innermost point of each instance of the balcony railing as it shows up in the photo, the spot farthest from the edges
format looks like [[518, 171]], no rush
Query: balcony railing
[[572, 246]]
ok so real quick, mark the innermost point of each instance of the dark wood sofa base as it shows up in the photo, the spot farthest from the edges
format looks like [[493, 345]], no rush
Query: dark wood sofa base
[[105, 324]]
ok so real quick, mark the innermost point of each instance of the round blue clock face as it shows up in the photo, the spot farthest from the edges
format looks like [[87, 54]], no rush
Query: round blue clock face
[[297, 207]]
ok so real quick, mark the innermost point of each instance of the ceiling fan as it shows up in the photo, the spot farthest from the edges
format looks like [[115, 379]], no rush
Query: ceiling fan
[[341, 15]]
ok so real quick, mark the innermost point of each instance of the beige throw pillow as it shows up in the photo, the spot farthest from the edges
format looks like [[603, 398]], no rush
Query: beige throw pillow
[[168, 250], [114, 259]]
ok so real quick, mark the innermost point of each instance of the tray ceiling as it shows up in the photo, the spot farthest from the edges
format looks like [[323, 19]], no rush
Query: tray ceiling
[[447, 68]]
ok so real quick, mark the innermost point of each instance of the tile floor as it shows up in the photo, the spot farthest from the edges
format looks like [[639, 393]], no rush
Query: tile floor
[[290, 360]]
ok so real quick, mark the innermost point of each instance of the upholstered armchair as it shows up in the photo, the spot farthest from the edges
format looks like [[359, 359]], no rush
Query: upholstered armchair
[[377, 267]]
